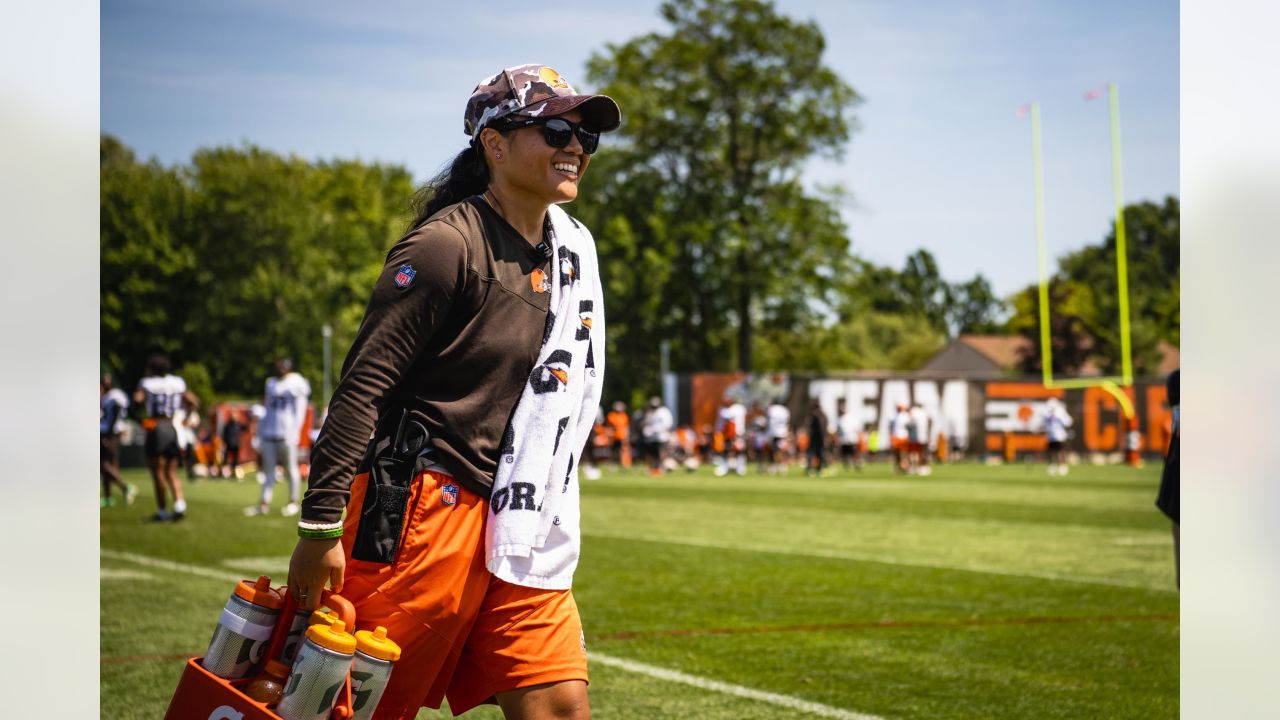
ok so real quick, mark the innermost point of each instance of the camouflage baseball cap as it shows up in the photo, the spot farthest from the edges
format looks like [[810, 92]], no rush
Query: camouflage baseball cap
[[535, 91]]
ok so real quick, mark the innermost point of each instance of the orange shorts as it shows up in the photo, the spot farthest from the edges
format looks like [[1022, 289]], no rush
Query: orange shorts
[[464, 634]]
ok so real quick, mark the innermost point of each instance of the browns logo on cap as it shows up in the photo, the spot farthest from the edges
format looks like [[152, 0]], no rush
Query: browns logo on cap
[[535, 91]]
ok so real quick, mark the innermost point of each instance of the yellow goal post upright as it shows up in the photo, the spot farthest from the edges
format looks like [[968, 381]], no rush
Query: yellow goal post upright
[[1112, 384]]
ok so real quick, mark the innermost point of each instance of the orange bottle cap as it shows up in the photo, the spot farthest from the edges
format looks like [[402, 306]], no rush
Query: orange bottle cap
[[377, 644], [277, 669], [260, 592], [334, 637]]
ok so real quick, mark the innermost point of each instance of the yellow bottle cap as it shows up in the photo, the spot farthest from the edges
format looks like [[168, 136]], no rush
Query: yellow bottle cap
[[334, 637], [323, 617], [376, 644]]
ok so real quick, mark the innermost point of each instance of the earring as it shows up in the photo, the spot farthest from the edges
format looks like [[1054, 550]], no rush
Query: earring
[[497, 156]]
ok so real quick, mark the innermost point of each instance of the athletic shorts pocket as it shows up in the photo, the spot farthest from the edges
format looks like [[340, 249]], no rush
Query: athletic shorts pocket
[[384, 510]]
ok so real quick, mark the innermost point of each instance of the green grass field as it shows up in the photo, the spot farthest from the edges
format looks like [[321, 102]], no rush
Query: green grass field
[[977, 592]]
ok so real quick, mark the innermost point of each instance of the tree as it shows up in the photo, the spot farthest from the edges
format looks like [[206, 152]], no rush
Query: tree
[[1072, 345], [1152, 235], [721, 114], [1085, 300], [240, 257], [973, 307], [146, 262]]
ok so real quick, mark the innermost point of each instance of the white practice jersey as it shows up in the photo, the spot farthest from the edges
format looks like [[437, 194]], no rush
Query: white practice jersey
[[847, 426], [1056, 422], [657, 424], [286, 408], [111, 412], [920, 419], [779, 421], [163, 395], [898, 426], [736, 414]]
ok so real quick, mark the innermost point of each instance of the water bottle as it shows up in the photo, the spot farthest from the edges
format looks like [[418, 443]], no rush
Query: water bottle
[[243, 630], [303, 619], [318, 673], [375, 654]]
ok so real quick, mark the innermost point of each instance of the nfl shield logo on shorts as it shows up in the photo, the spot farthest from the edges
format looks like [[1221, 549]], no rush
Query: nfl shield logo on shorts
[[405, 275], [449, 494]]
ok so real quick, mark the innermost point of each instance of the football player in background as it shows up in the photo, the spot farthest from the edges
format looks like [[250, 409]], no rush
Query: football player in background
[[779, 428], [112, 404], [848, 428], [731, 423], [161, 394], [899, 438], [918, 440], [279, 431], [620, 429], [1056, 422], [816, 460]]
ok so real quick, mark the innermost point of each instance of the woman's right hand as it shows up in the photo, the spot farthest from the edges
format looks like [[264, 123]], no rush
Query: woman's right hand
[[313, 563]]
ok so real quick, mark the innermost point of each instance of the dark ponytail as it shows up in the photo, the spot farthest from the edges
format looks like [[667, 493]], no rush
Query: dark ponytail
[[467, 175]]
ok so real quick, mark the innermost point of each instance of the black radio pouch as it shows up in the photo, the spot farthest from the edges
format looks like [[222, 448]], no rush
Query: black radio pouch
[[394, 458]]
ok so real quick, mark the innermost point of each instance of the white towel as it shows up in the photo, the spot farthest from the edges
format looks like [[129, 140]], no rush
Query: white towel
[[532, 537]]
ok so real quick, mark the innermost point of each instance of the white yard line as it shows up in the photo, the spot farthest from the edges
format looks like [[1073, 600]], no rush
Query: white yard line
[[831, 554], [113, 574], [158, 563], [628, 665], [786, 701], [1149, 540], [275, 565]]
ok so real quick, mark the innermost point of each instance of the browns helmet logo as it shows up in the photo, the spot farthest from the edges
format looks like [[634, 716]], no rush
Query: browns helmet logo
[[584, 320], [569, 265], [539, 281], [552, 78], [553, 374]]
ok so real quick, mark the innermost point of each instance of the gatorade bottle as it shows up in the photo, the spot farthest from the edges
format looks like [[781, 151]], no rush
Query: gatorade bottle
[[375, 654], [318, 673], [303, 619], [269, 686], [241, 636]]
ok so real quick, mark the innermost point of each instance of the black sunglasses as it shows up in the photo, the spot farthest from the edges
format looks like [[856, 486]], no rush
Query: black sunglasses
[[557, 131]]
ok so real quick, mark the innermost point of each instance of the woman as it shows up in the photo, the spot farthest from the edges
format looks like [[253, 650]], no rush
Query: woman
[[477, 372], [161, 396]]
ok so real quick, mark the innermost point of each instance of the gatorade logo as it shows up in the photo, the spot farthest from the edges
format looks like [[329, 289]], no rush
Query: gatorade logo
[[226, 712]]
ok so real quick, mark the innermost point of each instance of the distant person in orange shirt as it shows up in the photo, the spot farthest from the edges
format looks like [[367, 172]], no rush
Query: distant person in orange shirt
[[619, 423]]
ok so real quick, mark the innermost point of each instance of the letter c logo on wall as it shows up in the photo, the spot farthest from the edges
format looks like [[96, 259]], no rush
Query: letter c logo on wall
[[226, 712]]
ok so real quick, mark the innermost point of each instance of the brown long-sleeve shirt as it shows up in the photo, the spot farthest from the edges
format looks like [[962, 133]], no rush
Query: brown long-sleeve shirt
[[454, 325]]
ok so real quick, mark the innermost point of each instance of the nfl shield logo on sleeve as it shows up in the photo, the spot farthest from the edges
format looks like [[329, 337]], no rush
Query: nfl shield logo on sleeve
[[449, 494], [405, 275]]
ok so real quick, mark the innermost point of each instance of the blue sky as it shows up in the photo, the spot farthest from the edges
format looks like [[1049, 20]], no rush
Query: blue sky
[[939, 161]]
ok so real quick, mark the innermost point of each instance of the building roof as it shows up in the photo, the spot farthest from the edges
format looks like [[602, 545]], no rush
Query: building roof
[[1003, 350], [1000, 354]]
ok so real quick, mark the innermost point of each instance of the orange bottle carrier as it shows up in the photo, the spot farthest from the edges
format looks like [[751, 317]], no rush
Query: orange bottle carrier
[[201, 695]]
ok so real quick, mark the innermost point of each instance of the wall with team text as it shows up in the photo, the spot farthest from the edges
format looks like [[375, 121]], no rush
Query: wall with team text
[[981, 415]]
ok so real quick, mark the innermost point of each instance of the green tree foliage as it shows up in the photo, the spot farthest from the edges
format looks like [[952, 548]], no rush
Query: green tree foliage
[[146, 259], [706, 231], [919, 290], [1085, 303], [1152, 235], [1069, 303], [974, 308], [240, 257]]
